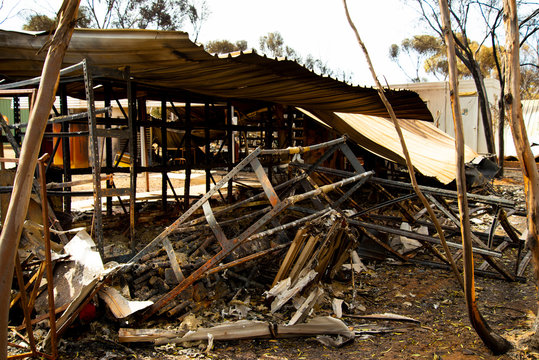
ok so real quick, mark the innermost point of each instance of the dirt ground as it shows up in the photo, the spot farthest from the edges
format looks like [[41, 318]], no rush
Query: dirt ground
[[428, 295], [431, 296]]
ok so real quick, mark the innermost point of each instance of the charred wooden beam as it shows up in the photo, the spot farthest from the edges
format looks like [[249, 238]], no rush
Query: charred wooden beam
[[414, 235], [492, 200]]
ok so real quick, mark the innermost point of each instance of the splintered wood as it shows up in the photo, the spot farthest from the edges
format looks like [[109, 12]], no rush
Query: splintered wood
[[321, 246], [318, 250]]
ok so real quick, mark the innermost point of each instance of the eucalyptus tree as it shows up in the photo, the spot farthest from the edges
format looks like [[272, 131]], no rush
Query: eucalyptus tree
[[147, 14]]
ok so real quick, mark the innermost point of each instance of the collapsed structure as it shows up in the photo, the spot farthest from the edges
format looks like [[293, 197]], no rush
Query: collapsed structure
[[321, 194]]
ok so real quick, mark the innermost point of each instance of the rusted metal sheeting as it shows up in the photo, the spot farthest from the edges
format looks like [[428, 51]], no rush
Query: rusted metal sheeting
[[169, 59], [432, 151]]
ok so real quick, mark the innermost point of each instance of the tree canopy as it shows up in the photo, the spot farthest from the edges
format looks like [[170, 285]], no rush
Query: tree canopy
[[141, 14], [477, 59], [130, 14], [273, 45], [418, 49], [39, 22], [225, 46], [481, 58]]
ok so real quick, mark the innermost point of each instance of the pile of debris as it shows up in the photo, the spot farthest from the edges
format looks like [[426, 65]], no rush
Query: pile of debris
[[264, 266]]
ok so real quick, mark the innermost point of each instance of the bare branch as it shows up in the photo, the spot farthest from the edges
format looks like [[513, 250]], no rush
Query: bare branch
[[530, 64], [436, 28]]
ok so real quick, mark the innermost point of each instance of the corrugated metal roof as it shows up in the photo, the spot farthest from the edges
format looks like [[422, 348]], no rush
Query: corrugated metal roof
[[431, 150], [530, 113], [168, 59]]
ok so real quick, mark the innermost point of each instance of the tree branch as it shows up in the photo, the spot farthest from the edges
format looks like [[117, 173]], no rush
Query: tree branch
[[407, 158]]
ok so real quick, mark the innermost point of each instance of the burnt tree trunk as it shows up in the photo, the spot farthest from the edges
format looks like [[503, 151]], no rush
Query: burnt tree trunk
[[18, 206], [467, 57], [520, 136], [501, 104], [409, 164], [486, 114], [494, 342]]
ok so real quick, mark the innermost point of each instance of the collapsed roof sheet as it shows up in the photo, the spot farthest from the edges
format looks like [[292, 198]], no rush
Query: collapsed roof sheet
[[432, 151], [168, 59]]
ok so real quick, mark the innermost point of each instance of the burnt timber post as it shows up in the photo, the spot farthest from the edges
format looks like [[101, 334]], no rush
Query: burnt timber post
[[96, 161], [131, 121], [268, 141], [164, 155], [66, 150], [108, 144], [188, 154], [230, 141], [207, 145]]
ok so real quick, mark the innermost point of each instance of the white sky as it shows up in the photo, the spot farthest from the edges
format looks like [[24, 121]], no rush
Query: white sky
[[317, 27]]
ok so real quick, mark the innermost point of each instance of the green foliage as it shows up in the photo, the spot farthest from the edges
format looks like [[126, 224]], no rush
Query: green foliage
[[394, 51], [158, 14], [418, 49], [198, 14], [147, 14], [272, 44], [422, 44], [84, 19], [483, 55], [242, 45], [429, 52], [39, 22], [487, 15], [225, 46]]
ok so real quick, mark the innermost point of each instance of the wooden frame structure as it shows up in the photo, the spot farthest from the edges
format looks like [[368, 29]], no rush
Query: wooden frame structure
[[82, 80]]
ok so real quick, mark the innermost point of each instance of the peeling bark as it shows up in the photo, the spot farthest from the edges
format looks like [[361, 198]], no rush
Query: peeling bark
[[513, 107], [497, 344]]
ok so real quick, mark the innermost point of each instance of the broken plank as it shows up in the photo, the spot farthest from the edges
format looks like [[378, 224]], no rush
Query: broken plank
[[283, 297], [146, 335], [303, 311], [303, 257], [500, 248], [524, 263], [290, 255], [384, 316], [119, 305], [252, 329]]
